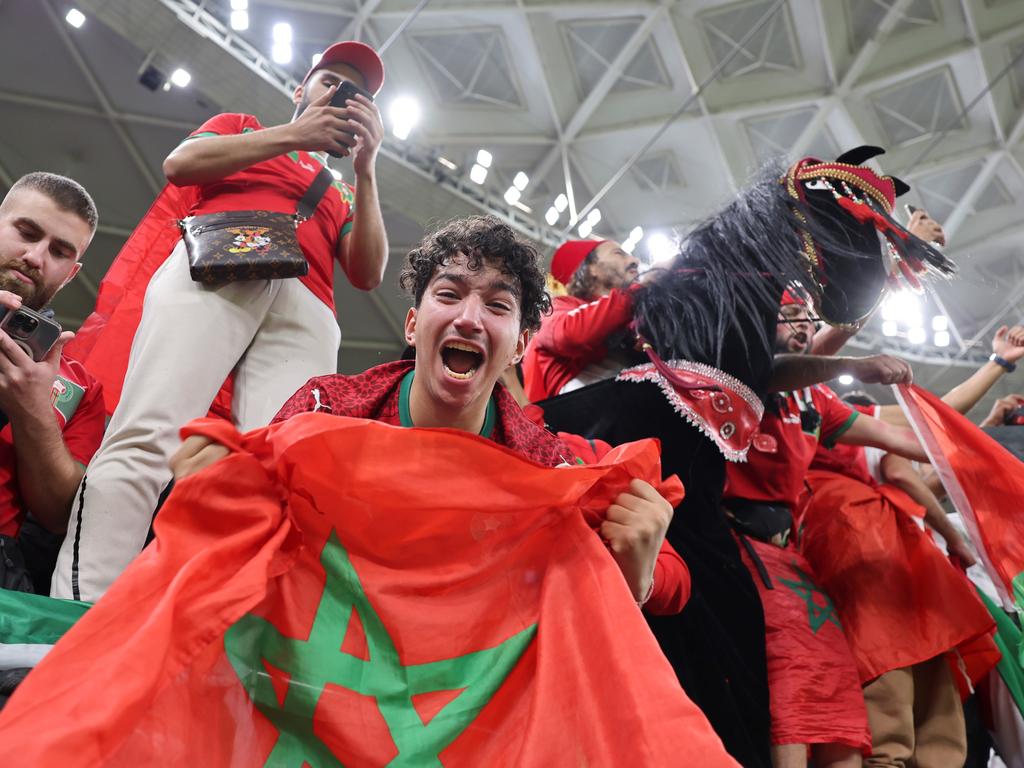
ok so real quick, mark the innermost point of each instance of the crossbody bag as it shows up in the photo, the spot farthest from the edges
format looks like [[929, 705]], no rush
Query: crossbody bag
[[229, 246]]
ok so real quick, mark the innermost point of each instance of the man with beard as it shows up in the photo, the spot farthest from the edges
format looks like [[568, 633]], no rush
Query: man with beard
[[52, 409], [269, 335], [813, 684], [575, 344]]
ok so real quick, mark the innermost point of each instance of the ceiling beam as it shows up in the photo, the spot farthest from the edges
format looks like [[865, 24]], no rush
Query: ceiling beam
[[23, 100], [849, 79], [603, 86], [578, 10], [705, 116], [965, 205], [108, 110]]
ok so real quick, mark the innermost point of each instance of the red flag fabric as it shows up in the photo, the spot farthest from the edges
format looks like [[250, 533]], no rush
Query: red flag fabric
[[341, 591], [812, 682], [984, 481], [103, 342], [882, 571]]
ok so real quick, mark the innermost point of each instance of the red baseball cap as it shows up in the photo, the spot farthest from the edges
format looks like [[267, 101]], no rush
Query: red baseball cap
[[359, 56], [569, 256]]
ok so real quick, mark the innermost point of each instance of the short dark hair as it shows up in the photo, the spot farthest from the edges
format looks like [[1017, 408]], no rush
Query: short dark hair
[[485, 241], [67, 193]]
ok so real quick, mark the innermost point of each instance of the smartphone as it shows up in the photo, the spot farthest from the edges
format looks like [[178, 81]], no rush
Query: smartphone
[[347, 91], [34, 333]]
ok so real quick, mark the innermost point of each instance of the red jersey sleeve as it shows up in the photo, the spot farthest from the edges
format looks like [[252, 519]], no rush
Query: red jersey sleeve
[[836, 416], [671, 583], [225, 124], [84, 432], [581, 332]]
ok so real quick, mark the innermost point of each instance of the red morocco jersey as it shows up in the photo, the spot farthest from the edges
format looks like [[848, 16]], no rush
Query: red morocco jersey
[[781, 454], [77, 401], [277, 185]]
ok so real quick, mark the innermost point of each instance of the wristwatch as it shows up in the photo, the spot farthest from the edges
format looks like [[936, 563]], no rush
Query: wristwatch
[[1010, 367]]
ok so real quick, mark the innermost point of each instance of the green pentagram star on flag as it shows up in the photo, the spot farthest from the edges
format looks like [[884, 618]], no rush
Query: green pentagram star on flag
[[318, 661]]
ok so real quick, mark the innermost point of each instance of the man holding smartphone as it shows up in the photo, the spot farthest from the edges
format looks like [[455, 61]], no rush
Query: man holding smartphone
[[52, 408], [269, 336]]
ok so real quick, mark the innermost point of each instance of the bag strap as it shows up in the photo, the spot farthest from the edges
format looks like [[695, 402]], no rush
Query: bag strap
[[313, 195]]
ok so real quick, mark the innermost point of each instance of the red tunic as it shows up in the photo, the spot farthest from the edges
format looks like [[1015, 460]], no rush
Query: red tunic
[[77, 401], [572, 337], [814, 690], [883, 571]]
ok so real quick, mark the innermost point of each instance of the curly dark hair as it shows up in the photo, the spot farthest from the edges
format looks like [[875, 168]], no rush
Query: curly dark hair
[[583, 284], [485, 241]]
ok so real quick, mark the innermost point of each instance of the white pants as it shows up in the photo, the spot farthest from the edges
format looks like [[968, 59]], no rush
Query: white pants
[[275, 335]]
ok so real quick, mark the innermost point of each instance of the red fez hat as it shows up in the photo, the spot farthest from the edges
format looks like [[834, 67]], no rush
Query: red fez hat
[[359, 56], [569, 256]]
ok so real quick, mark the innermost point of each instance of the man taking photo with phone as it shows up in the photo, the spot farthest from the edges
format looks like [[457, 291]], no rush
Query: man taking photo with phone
[[268, 335], [52, 420]]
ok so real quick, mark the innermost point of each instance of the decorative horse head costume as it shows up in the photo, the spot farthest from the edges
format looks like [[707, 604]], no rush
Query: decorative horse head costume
[[707, 324]]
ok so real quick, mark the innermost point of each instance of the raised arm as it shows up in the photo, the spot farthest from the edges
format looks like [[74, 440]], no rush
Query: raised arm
[[902, 441], [796, 371], [900, 472], [203, 159]]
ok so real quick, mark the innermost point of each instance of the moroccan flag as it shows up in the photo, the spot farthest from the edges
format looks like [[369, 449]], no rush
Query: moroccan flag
[[984, 481], [344, 592]]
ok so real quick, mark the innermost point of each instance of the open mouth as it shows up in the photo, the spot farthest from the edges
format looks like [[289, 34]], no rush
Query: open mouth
[[461, 360], [800, 339]]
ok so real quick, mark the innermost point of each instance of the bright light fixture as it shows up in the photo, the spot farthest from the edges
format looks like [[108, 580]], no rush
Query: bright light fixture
[[75, 18], [335, 173], [942, 338], [903, 307], [239, 5], [551, 216], [281, 53], [483, 158], [916, 335], [561, 203], [181, 77], [478, 173], [585, 229], [239, 20], [447, 163], [512, 195], [940, 323], [594, 217], [282, 32], [889, 328], [846, 379], [660, 247], [404, 113], [520, 181], [315, 59], [636, 234], [628, 246]]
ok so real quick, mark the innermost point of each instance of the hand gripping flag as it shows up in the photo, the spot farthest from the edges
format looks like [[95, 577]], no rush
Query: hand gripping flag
[[344, 592]]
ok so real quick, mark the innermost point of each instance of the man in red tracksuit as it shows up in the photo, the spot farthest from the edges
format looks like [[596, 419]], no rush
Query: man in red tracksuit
[[571, 349]]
